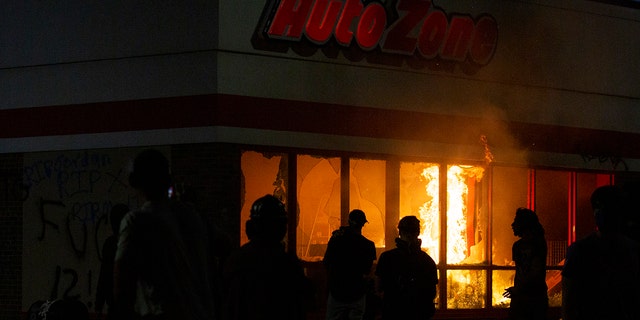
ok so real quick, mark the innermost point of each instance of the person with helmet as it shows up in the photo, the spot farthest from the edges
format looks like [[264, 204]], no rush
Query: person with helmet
[[161, 266], [407, 276], [261, 279], [348, 261]]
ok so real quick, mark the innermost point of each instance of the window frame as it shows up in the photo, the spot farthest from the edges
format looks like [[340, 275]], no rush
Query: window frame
[[392, 202]]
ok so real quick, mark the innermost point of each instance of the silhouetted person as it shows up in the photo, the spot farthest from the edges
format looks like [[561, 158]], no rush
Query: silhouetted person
[[407, 276], [220, 243], [262, 280], [104, 291], [348, 260], [528, 295], [600, 278], [161, 266]]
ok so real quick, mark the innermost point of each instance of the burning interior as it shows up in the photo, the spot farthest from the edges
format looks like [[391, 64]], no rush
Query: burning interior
[[465, 209]]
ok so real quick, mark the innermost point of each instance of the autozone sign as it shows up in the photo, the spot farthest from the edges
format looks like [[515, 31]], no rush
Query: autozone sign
[[413, 29]]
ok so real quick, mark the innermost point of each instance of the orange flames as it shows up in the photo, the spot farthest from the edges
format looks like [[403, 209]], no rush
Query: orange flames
[[430, 213], [458, 243], [461, 245]]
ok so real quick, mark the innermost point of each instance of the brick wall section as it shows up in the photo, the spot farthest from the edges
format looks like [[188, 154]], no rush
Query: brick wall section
[[11, 196], [213, 172]]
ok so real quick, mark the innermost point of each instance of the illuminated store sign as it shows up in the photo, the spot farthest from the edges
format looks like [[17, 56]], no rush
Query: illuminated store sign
[[413, 30]]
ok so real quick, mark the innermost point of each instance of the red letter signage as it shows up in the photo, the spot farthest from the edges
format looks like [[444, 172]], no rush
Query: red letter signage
[[417, 29]]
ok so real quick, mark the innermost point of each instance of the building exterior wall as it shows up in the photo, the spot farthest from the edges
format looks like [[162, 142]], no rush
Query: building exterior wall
[[11, 240], [570, 65], [560, 91]]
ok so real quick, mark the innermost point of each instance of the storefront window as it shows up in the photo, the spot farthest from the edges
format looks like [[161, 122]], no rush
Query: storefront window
[[420, 197], [466, 223], [263, 173], [466, 215], [552, 194], [319, 204], [552, 207], [500, 280], [467, 230], [466, 289], [586, 184], [367, 193], [510, 191]]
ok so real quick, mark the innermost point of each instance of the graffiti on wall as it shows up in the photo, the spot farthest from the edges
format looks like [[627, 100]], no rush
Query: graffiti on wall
[[67, 200], [13, 190]]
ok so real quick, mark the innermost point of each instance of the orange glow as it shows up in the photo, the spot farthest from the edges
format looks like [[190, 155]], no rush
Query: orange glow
[[464, 229], [461, 241], [464, 243], [457, 191], [459, 248], [430, 213]]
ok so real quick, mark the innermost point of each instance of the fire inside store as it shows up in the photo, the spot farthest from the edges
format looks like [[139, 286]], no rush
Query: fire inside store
[[466, 210]]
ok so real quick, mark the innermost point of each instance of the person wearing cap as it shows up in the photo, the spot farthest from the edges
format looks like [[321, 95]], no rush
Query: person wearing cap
[[161, 268], [406, 276], [261, 279], [348, 261], [601, 273]]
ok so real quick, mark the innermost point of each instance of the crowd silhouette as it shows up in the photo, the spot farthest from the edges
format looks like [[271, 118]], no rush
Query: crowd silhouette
[[165, 261]]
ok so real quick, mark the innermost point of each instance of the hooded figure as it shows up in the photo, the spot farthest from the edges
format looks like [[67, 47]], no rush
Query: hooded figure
[[407, 276]]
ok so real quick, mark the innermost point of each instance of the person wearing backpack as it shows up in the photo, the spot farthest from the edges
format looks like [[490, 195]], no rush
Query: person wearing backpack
[[407, 276]]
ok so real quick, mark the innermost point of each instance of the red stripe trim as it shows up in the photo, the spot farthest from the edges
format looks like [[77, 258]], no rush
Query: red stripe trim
[[311, 117], [103, 117]]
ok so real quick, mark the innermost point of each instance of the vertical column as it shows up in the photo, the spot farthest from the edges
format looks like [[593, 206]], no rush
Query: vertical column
[[392, 203], [573, 199], [344, 190], [531, 190], [443, 235], [292, 201]]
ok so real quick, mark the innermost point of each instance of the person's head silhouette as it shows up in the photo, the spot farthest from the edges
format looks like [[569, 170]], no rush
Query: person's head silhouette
[[526, 223], [409, 227], [267, 221], [357, 218], [607, 203], [151, 174]]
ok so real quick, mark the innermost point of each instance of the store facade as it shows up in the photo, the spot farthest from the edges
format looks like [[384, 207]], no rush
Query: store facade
[[458, 112]]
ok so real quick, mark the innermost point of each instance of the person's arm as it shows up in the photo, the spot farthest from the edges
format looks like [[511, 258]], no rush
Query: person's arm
[[433, 290], [509, 292], [371, 257], [379, 281], [433, 278]]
